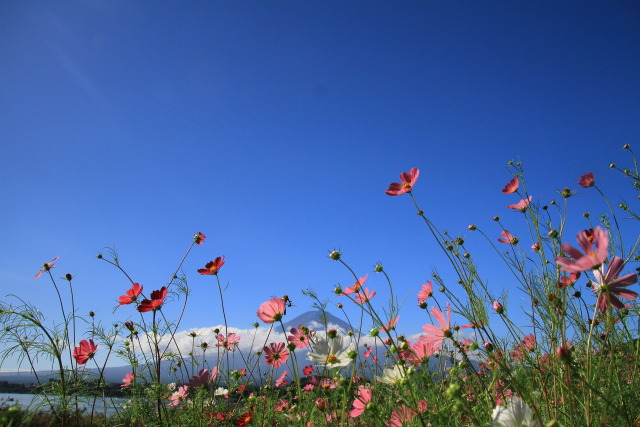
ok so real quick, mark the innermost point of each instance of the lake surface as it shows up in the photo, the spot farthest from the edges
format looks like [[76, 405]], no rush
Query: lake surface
[[26, 400]]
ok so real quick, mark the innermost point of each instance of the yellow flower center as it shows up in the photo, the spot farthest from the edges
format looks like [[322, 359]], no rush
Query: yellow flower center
[[332, 359], [406, 185]]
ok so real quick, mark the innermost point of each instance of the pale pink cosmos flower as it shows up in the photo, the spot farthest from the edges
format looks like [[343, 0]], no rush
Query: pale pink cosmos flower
[[587, 180], [364, 296], [592, 259], [425, 293], [507, 238], [47, 266], [522, 205], [282, 381], [511, 187], [408, 181], [126, 381], [437, 334], [356, 286], [275, 354], [419, 353], [609, 286], [497, 307], [391, 324], [361, 401], [229, 343], [179, 396], [272, 310]]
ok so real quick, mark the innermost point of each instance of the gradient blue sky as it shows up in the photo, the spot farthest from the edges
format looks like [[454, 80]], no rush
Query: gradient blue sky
[[275, 128]]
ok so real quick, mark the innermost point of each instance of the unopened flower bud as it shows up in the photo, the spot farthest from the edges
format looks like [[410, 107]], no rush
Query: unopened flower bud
[[216, 331], [460, 241], [337, 290], [68, 276], [625, 146], [564, 354], [488, 346], [586, 214], [566, 192], [350, 333], [552, 203], [192, 334], [474, 346], [467, 255], [99, 256], [420, 213], [496, 218], [332, 333], [291, 346], [334, 255], [378, 268], [256, 324], [553, 234], [612, 165], [339, 305], [498, 307], [375, 332], [91, 314], [442, 289], [472, 227], [321, 403]]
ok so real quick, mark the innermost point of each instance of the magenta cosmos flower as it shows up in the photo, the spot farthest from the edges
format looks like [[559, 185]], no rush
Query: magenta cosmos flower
[[408, 181], [272, 310], [425, 293], [126, 381], [204, 378], [300, 337], [609, 286], [522, 205], [85, 351], [131, 295], [212, 267], [587, 180], [156, 301], [275, 354], [511, 187], [591, 258], [47, 266]]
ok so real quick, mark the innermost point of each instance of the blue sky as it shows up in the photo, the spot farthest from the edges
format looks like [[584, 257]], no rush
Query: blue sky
[[275, 128]]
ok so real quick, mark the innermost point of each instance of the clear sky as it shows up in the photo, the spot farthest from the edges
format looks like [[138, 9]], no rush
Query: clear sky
[[275, 128]]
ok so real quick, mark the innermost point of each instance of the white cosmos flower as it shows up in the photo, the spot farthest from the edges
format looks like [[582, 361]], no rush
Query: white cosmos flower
[[220, 391], [329, 353], [393, 375], [516, 413]]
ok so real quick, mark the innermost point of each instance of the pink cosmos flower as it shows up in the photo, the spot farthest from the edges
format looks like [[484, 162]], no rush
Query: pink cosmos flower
[[199, 238], [609, 286], [131, 295], [401, 416], [356, 286], [408, 181], [361, 401], [364, 296], [522, 349], [507, 238], [299, 337], [536, 247], [511, 187], [47, 266], [179, 396], [419, 353], [204, 378], [282, 381], [229, 343], [587, 180], [272, 310], [156, 301], [425, 293], [307, 370], [435, 334], [126, 381], [276, 354], [592, 259], [391, 324], [522, 205], [212, 267], [568, 281], [85, 351]]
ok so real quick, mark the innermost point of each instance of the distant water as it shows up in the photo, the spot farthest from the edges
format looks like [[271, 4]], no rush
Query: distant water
[[25, 400]]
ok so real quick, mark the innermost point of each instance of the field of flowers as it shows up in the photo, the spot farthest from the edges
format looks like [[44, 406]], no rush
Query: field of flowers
[[575, 363]]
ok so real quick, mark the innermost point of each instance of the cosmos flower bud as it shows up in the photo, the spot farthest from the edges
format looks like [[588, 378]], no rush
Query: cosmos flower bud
[[256, 324], [321, 403], [612, 165], [291, 346], [498, 307], [566, 192], [332, 333], [339, 305], [472, 227], [564, 354], [626, 146], [68, 277], [334, 255], [378, 268], [496, 218], [488, 346], [553, 234], [216, 331], [337, 290], [192, 334], [91, 314], [423, 305], [586, 214], [374, 332]]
